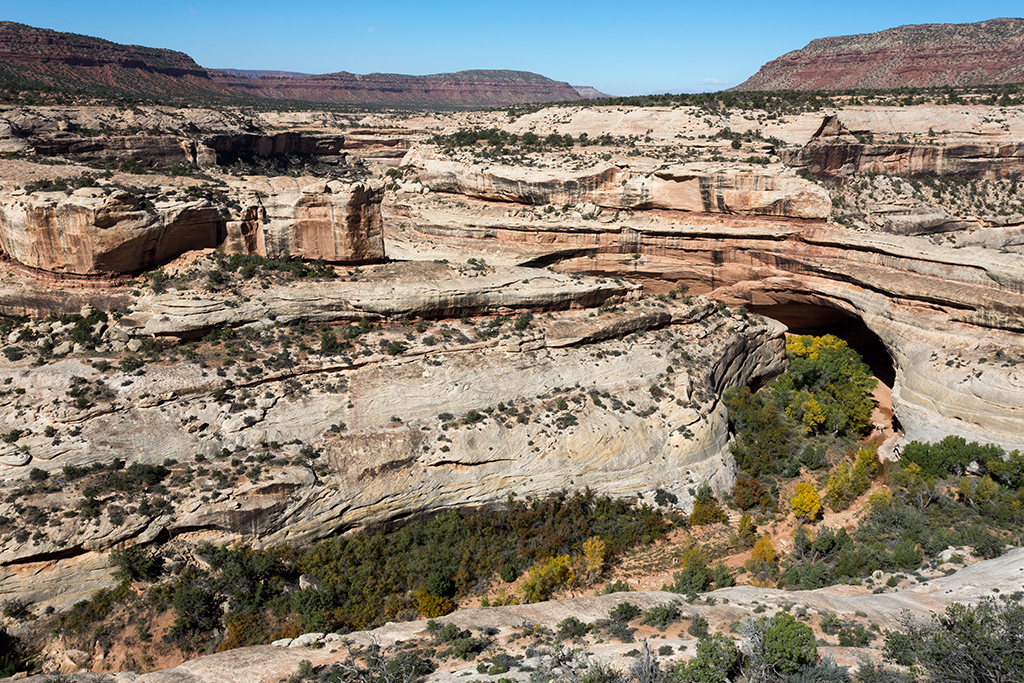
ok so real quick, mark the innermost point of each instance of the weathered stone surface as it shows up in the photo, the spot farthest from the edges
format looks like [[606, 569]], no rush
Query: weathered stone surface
[[834, 152], [98, 231], [309, 218], [920, 298], [397, 457], [704, 187], [148, 151], [395, 290], [11, 139]]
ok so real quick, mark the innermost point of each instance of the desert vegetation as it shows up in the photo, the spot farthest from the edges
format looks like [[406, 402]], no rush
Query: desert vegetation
[[812, 505]]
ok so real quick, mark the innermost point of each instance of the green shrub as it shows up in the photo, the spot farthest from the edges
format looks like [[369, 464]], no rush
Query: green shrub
[[439, 584], [717, 659], [660, 616], [16, 609], [706, 508], [789, 645], [968, 642], [722, 576], [571, 628], [951, 456], [624, 612], [136, 563], [508, 572], [698, 627], [617, 586], [855, 636]]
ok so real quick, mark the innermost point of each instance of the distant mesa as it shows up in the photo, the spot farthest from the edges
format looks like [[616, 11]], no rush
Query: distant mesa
[[250, 73], [927, 55], [34, 58], [476, 88]]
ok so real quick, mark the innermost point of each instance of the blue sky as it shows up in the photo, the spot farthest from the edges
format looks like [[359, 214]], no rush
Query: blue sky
[[621, 48]]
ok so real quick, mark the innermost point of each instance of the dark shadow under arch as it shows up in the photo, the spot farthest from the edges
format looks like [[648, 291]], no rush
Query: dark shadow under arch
[[806, 318]]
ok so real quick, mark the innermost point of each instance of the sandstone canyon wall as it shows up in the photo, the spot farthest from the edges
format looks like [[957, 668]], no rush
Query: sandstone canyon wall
[[97, 231], [941, 313]]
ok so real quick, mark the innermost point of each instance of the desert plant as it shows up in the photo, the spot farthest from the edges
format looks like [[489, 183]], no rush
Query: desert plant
[[806, 503]]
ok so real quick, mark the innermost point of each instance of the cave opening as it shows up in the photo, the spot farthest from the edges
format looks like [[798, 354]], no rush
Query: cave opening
[[813, 319], [803, 318]]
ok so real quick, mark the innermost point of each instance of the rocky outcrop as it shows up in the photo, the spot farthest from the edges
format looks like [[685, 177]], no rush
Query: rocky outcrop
[[399, 424], [145, 151], [928, 55], [919, 298], [834, 152], [170, 151], [399, 290], [696, 187], [103, 230]]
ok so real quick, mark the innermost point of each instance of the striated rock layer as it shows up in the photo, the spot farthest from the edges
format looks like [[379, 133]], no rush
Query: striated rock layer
[[916, 56], [581, 398], [942, 314], [834, 152], [705, 187], [100, 231]]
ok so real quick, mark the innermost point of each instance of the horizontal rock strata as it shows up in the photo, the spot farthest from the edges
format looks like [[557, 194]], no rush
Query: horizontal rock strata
[[702, 187], [592, 408], [836, 153], [105, 230], [918, 297]]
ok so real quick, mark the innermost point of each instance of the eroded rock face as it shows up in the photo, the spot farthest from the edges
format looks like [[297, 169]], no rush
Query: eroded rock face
[[834, 152], [583, 398], [102, 231], [400, 290], [697, 187], [929, 304]]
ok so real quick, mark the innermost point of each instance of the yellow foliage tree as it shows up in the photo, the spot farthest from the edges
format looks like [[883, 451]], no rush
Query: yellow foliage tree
[[764, 550], [849, 481], [814, 414], [545, 580], [806, 346], [865, 463], [762, 565], [806, 503], [431, 606], [595, 552]]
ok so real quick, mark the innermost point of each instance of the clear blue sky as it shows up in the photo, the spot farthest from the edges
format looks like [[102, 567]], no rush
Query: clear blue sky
[[621, 48]]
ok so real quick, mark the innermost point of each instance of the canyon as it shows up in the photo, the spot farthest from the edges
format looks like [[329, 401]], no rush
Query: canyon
[[469, 320]]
